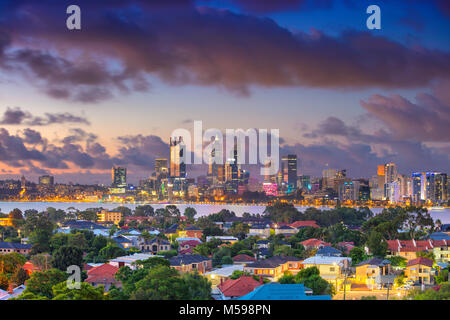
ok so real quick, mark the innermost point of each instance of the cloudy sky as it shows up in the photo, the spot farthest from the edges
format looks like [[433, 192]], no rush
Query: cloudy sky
[[74, 103]]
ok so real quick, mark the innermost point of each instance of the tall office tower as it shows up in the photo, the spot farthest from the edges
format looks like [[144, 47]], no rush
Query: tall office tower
[[304, 182], [46, 180], [119, 177], [177, 158], [328, 176], [417, 186], [289, 171], [23, 182], [161, 167], [216, 170], [349, 191], [433, 187], [441, 188], [390, 175]]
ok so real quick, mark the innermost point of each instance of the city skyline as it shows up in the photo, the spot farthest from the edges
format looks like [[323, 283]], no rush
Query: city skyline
[[381, 97]]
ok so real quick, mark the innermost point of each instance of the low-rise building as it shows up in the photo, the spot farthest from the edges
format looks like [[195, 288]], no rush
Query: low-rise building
[[154, 245], [277, 291], [442, 251], [243, 259], [375, 273], [103, 275], [130, 261], [218, 275], [191, 232], [191, 263], [10, 247], [233, 289], [314, 244], [109, 216], [420, 270], [259, 230], [274, 267], [330, 268]]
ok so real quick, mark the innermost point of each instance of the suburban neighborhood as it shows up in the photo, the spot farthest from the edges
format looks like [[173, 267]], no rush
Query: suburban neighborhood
[[282, 254]]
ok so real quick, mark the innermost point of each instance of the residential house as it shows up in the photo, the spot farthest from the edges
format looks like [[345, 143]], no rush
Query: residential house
[[420, 270], [277, 291], [274, 267], [330, 268], [154, 245], [243, 259], [171, 231], [10, 247], [136, 220], [304, 224], [126, 242], [103, 275], [285, 230], [190, 263], [188, 245], [12, 292], [229, 239], [130, 261], [191, 232], [328, 252], [6, 222], [233, 289], [259, 230], [346, 246], [217, 276], [442, 251], [408, 248], [375, 273], [314, 244]]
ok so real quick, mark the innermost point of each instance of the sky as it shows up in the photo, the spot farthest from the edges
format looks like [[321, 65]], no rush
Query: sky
[[73, 103]]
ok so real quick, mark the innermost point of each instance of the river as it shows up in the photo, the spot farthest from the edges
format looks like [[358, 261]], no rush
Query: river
[[202, 209]]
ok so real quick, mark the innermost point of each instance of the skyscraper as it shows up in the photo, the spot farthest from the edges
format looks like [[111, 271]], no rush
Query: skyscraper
[[119, 177], [177, 158], [390, 175], [161, 167], [289, 171], [46, 180]]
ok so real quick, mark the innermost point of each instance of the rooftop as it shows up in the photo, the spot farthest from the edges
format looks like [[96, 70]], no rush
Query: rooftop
[[277, 291]]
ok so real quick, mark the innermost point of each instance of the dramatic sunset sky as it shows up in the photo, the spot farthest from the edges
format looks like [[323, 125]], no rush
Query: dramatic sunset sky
[[74, 103]]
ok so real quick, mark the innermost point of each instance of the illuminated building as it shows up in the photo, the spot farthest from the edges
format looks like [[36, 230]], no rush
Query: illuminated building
[[161, 167], [289, 171], [46, 180], [349, 191], [177, 158], [390, 175], [109, 216], [119, 177], [270, 189]]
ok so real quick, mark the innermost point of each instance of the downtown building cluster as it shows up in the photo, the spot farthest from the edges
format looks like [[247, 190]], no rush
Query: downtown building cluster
[[228, 181]]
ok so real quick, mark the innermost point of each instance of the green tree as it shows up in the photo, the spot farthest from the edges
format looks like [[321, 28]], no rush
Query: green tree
[[190, 213], [377, 244], [67, 256], [19, 277], [85, 292], [357, 254], [41, 283]]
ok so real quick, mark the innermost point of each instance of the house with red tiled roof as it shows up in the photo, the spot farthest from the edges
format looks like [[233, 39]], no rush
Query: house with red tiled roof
[[304, 224], [233, 289], [315, 243], [103, 275], [243, 259], [408, 248], [420, 270], [189, 244], [346, 246]]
